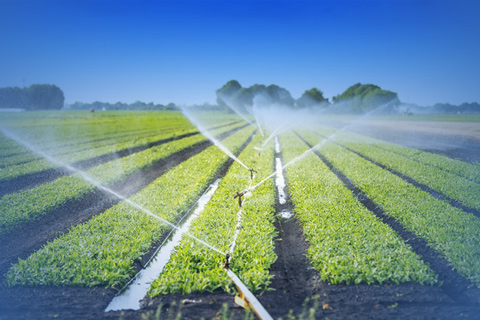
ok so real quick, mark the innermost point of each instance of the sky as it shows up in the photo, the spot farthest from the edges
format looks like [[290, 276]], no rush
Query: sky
[[182, 51]]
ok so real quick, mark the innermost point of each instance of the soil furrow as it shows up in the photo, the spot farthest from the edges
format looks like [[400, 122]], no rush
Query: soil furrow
[[294, 277], [454, 285]]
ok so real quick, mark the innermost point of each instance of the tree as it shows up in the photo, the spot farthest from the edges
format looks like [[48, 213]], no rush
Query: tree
[[35, 97], [227, 91], [361, 98], [234, 95], [45, 97], [312, 98]]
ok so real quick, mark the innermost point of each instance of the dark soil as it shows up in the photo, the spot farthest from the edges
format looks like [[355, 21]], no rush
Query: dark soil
[[294, 277]]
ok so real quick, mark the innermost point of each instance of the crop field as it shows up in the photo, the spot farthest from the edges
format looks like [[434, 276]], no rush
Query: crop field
[[326, 217]]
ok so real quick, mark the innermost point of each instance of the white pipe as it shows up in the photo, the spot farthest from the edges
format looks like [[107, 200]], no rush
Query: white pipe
[[252, 300]]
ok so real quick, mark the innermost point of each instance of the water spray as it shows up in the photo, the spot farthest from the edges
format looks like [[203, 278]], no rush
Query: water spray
[[277, 131], [210, 137], [236, 111], [258, 122], [97, 184], [319, 145], [259, 150]]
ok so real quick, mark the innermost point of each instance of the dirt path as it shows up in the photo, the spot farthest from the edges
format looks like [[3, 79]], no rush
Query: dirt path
[[294, 277]]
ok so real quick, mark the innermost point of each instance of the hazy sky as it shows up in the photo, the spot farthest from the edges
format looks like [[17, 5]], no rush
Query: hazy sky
[[182, 51]]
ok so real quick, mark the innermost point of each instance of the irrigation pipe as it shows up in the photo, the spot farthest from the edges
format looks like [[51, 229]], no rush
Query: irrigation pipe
[[247, 299]]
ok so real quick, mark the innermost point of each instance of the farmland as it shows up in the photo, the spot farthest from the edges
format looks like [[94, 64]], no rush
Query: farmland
[[378, 228]]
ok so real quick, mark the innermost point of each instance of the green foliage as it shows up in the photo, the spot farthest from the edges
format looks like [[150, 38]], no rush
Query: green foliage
[[437, 178], [29, 204], [460, 168], [103, 250], [194, 268], [347, 243], [35, 97], [361, 98], [448, 230], [312, 98], [233, 94], [71, 148]]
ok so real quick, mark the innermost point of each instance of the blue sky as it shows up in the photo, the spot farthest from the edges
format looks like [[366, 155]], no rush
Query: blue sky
[[182, 51]]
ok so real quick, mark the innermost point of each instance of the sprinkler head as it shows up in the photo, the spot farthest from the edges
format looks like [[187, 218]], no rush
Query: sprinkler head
[[239, 195], [251, 172], [227, 262]]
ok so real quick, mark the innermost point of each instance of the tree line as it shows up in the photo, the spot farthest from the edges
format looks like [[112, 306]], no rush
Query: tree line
[[359, 98], [138, 105], [35, 97]]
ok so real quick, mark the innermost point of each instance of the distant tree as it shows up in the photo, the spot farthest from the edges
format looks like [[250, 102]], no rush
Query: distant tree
[[311, 98], [361, 98], [35, 97], [171, 106], [45, 97], [13, 97], [234, 95], [228, 90], [469, 107]]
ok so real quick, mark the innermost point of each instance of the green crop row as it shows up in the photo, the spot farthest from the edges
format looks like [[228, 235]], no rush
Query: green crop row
[[460, 168], [445, 182], [110, 139], [347, 243], [196, 268], [103, 250], [48, 131], [16, 171], [87, 149], [452, 232], [29, 204], [70, 155], [68, 133]]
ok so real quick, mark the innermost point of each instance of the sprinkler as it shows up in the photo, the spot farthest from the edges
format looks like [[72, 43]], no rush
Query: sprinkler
[[259, 150], [251, 173], [227, 262], [239, 195]]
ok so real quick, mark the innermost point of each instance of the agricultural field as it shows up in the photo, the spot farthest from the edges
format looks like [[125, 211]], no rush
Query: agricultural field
[[321, 217]]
